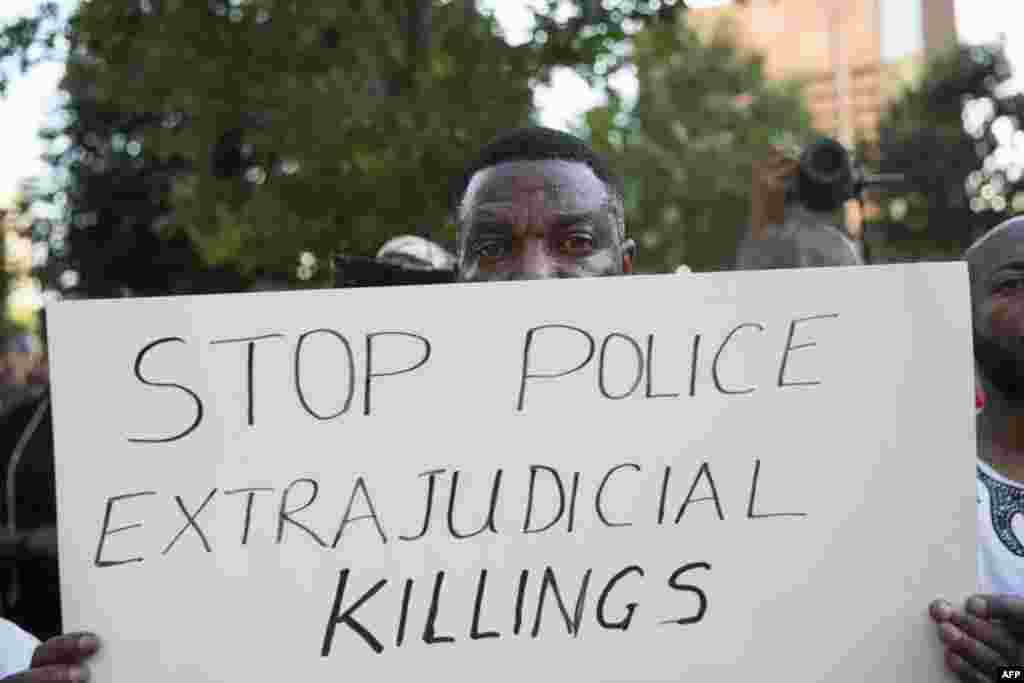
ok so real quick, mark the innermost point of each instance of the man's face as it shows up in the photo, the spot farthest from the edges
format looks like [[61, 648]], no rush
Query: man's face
[[997, 292], [539, 220]]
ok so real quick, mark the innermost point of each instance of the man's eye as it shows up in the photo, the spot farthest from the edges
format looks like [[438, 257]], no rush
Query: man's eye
[[578, 243], [1009, 285]]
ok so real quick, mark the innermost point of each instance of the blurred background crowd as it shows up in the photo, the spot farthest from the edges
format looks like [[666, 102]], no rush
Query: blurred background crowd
[[201, 146]]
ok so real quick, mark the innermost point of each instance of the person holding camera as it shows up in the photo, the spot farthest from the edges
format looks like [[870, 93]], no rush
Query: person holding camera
[[793, 204]]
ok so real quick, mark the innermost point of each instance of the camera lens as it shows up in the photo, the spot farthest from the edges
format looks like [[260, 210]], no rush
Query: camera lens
[[826, 176], [826, 160]]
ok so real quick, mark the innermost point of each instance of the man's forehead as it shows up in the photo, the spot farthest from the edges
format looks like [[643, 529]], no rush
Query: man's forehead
[[551, 179]]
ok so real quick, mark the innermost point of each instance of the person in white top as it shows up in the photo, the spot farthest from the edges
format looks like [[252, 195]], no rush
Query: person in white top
[[988, 632], [16, 648], [63, 658]]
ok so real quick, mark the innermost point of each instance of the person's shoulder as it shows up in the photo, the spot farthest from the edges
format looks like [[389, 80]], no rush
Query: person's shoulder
[[778, 247], [821, 242], [16, 648]]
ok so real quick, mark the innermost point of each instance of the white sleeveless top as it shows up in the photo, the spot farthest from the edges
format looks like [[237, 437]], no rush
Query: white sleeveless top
[[1000, 532], [16, 648]]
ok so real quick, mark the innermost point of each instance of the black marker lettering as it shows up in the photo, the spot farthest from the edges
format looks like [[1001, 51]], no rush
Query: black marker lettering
[[753, 494], [790, 347], [649, 391], [190, 522], [529, 499], [250, 362], [285, 516], [370, 374], [431, 476], [248, 508], [338, 617], [105, 530], [474, 631], [524, 375], [622, 624], [572, 623], [664, 493], [298, 374], [600, 492], [150, 383], [488, 523], [360, 485], [718, 355], [705, 470], [572, 500], [673, 582], [520, 596], [601, 366], [404, 615], [429, 630], [693, 365]]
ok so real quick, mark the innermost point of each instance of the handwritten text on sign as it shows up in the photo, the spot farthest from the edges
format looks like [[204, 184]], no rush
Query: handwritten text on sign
[[624, 479]]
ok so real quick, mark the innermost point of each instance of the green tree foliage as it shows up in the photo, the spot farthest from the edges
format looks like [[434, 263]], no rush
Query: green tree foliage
[[300, 126], [258, 130], [30, 40], [704, 112], [115, 197], [956, 136]]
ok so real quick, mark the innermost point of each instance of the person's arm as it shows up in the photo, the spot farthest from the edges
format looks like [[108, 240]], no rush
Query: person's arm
[[771, 177], [60, 659], [987, 634], [40, 542]]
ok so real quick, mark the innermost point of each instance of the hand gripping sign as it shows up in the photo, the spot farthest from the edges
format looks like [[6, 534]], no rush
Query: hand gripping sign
[[639, 478]]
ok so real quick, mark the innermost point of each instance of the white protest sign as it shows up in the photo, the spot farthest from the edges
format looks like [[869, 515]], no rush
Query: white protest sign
[[620, 479]]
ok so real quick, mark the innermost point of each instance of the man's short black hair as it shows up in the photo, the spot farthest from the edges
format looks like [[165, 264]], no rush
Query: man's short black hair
[[535, 143]]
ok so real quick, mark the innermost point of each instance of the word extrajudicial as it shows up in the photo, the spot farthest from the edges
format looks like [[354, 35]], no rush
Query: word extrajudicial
[[642, 366], [548, 489]]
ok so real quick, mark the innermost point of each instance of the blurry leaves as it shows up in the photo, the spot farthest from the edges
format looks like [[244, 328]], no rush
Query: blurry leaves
[[255, 131], [27, 41], [704, 113], [956, 137]]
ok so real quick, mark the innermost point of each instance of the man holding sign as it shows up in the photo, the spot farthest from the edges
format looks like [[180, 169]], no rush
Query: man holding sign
[[989, 632], [257, 518], [60, 660]]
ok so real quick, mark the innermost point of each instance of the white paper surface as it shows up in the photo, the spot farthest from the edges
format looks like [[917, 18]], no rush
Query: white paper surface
[[863, 512]]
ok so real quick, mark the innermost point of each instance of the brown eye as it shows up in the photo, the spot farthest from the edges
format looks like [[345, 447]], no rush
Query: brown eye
[[578, 244], [1009, 285]]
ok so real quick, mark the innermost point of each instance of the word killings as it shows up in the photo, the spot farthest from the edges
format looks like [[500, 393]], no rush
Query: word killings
[[527, 596]]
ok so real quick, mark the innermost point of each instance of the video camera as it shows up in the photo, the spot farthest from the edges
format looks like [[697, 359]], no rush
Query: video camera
[[405, 260], [828, 177], [357, 271]]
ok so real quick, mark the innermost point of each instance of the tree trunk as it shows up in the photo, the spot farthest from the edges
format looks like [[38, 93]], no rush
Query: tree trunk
[[417, 31]]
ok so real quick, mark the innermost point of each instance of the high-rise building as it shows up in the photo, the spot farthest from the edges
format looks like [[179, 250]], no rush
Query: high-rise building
[[853, 55]]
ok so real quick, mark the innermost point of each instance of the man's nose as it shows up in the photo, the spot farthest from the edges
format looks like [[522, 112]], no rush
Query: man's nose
[[535, 263]]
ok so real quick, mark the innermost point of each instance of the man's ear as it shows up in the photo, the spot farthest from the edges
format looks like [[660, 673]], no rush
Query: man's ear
[[629, 250]]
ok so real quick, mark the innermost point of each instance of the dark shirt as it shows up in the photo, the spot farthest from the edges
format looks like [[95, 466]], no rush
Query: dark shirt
[[29, 587], [805, 239]]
